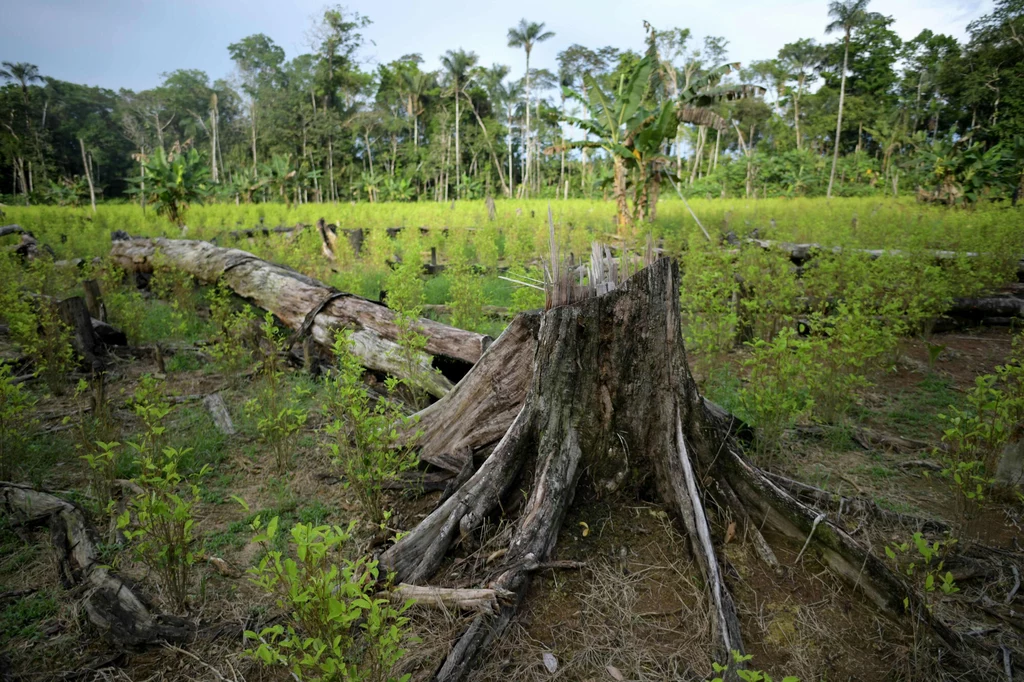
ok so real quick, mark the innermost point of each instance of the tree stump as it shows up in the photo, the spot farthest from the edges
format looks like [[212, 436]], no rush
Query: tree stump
[[610, 393]]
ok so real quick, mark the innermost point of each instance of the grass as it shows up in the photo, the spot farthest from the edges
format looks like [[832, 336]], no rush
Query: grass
[[23, 618], [609, 614], [914, 412]]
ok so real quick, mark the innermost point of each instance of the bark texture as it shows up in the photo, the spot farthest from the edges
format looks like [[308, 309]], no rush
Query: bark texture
[[112, 605], [306, 304], [610, 393], [481, 407]]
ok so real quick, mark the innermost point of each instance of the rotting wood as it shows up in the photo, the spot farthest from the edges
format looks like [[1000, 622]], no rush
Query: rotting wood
[[480, 409], [94, 300], [111, 604], [291, 296], [481, 600], [74, 313], [609, 377], [219, 411]]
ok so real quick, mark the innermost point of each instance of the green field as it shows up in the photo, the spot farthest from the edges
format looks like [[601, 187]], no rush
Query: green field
[[842, 366]]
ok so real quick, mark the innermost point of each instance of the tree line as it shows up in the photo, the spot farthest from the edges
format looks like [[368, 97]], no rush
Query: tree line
[[865, 113]]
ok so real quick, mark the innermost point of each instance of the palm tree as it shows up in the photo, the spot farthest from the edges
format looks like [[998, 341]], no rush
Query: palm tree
[[800, 60], [526, 35], [846, 15], [457, 65], [504, 97], [25, 74], [414, 86]]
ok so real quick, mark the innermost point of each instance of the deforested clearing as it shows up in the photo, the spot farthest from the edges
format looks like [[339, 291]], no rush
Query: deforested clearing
[[684, 370]]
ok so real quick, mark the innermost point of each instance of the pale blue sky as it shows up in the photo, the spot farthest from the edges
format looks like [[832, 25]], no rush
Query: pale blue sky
[[129, 43]]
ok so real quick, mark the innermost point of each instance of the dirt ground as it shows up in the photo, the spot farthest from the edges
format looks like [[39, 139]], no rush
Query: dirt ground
[[633, 611]]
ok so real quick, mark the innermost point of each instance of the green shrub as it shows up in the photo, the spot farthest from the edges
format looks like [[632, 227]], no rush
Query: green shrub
[[368, 441], [276, 405], [15, 403], [160, 521], [776, 393], [232, 345], [330, 601], [708, 297]]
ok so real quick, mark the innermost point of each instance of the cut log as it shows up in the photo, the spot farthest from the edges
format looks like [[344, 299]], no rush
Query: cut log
[[11, 229], [308, 305], [1005, 306], [112, 605], [610, 386], [219, 411]]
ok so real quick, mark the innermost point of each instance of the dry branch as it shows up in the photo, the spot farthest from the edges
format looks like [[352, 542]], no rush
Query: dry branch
[[482, 600], [112, 605]]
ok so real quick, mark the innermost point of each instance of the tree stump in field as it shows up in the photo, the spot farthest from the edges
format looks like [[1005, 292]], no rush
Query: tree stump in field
[[610, 394]]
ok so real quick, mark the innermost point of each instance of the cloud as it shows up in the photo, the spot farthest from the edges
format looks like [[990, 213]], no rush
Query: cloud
[[121, 43]]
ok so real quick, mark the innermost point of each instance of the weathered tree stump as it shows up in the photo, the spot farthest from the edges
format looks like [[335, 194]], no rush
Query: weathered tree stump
[[610, 393]]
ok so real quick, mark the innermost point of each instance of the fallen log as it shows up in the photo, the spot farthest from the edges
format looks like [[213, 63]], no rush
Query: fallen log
[[111, 604], [11, 229], [481, 600], [1004, 306], [309, 306], [799, 254], [609, 388]]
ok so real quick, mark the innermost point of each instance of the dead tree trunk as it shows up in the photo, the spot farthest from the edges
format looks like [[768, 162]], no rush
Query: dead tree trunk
[[308, 306], [111, 604], [610, 393], [10, 229], [802, 253]]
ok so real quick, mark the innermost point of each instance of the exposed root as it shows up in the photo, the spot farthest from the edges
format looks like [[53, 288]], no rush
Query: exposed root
[[111, 604]]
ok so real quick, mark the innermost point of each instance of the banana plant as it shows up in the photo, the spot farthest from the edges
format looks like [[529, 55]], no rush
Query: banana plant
[[280, 175], [174, 180], [632, 127]]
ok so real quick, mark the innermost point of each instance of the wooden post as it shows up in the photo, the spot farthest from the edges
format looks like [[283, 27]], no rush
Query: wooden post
[[94, 300], [74, 313]]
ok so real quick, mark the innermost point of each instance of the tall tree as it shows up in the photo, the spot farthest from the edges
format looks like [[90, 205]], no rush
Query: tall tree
[[258, 59], [800, 60], [25, 74], [846, 15], [526, 35], [457, 67]]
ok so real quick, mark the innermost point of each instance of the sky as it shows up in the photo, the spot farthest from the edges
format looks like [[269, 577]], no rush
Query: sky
[[130, 43]]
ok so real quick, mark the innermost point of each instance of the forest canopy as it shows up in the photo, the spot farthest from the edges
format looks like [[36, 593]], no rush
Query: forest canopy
[[930, 115]]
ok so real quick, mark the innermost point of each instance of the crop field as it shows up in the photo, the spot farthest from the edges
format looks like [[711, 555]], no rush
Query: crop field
[[886, 379]]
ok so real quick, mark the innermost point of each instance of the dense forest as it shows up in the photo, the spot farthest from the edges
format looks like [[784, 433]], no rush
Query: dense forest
[[930, 115]]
